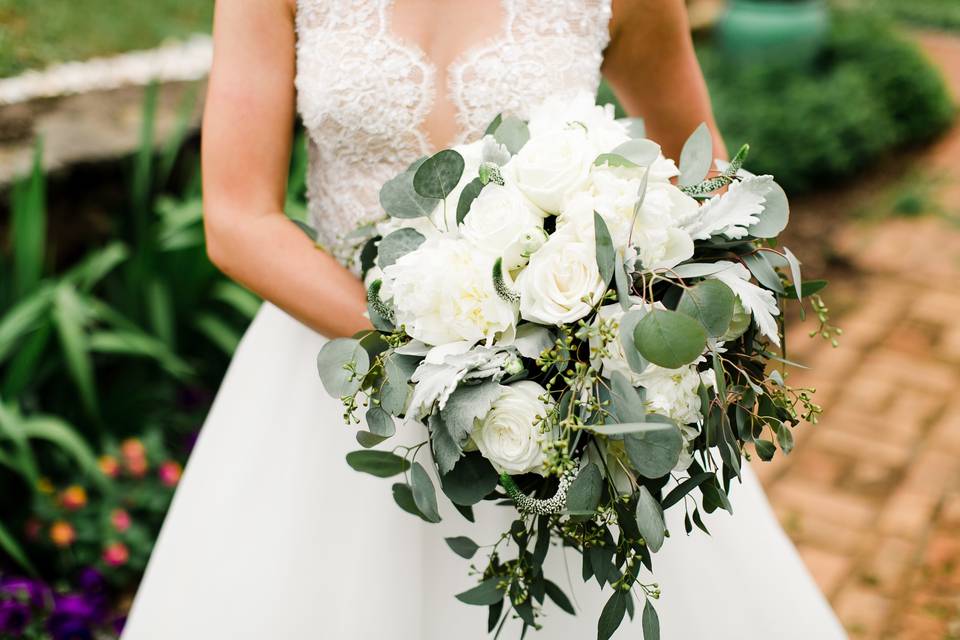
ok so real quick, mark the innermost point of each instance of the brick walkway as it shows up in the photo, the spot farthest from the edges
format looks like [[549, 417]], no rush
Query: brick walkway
[[871, 496]]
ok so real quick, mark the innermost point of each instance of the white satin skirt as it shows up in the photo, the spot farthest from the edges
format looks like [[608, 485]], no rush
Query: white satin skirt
[[272, 536]]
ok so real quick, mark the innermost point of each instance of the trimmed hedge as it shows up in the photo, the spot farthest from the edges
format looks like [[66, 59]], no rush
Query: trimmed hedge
[[868, 92]]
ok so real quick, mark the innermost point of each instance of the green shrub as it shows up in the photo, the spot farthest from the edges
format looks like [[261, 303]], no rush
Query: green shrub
[[928, 13], [868, 92]]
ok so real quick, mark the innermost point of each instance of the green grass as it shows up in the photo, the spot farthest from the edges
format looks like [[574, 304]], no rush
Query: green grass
[[36, 33]]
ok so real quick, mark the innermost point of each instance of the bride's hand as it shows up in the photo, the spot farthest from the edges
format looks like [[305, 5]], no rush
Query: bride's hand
[[247, 137]]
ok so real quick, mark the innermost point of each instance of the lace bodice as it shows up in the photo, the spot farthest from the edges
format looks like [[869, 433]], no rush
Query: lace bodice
[[363, 93]]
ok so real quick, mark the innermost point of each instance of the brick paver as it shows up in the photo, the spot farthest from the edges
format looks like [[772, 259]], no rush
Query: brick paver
[[871, 495]]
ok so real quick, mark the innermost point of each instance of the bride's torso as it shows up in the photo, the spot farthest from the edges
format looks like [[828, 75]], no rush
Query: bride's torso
[[371, 98]]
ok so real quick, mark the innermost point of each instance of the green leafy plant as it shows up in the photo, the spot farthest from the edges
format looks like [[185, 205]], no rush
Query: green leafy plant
[[133, 335]]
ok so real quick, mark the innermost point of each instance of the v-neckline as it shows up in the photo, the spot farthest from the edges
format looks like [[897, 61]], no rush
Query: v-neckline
[[434, 74]]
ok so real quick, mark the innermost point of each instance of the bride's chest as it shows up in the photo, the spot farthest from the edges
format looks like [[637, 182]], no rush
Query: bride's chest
[[363, 90]]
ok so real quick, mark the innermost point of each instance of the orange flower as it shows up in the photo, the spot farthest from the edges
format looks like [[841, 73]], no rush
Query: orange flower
[[116, 554], [170, 472], [132, 448], [62, 534], [120, 519], [73, 497], [137, 467], [109, 466]]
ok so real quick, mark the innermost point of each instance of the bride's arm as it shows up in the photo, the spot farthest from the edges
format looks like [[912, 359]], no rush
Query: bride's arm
[[247, 133], [651, 66]]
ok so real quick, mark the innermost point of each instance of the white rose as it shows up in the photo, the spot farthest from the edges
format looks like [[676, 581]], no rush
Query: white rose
[[559, 112], [512, 434], [550, 168], [560, 275], [442, 292], [499, 218]]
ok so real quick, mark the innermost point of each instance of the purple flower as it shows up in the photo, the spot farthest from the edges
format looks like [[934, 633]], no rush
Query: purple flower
[[70, 630], [91, 581], [24, 590], [14, 617]]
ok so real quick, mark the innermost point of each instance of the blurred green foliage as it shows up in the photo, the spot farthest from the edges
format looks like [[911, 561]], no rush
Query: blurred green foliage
[[132, 336], [927, 13], [35, 33], [869, 92]]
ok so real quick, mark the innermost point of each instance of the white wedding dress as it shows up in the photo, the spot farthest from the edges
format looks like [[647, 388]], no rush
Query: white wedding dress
[[272, 536]]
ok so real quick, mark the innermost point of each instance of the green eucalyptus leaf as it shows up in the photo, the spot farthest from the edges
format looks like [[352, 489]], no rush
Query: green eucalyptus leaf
[[807, 289], [627, 402], [333, 361], [396, 387], [654, 450], [492, 127], [606, 256], [559, 597], [398, 244], [484, 594], [584, 494], [669, 339], [612, 614], [424, 494], [368, 440], [794, 270], [399, 198], [470, 481], [513, 133], [379, 422], [711, 303], [762, 270], [439, 175], [696, 157], [628, 323], [650, 622], [465, 405], [613, 160], [622, 283], [382, 464], [685, 487], [403, 496], [467, 196], [775, 215], [649, 515], [463, 546], [785, 438], [639, 151]]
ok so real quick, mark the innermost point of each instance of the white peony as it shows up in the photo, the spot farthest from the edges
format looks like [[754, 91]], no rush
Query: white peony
[[500, 219], [615, 361], [672, 392], [657, 237], [559, 277], [560, 112], [550, 168], [442, 292], [511, 436]]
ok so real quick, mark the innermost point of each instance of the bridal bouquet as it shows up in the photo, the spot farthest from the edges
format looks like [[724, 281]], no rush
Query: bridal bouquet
[[587, 332]]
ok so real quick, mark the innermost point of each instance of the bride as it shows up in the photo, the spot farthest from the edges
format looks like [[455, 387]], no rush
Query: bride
[[271, 534]]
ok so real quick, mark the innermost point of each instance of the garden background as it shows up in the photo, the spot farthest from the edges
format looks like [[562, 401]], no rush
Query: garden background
[[115, 330]]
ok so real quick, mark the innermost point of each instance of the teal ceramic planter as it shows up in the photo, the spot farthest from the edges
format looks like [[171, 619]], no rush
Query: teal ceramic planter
[[775, 30]]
